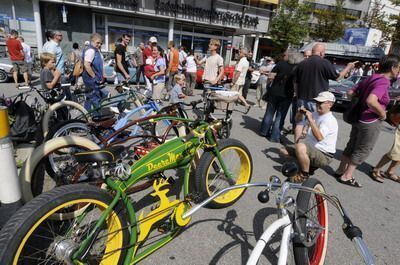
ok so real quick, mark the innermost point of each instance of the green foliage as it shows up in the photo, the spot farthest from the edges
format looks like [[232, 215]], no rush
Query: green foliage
[[396, 24], [290, 24], [377, 19], [330, 25]]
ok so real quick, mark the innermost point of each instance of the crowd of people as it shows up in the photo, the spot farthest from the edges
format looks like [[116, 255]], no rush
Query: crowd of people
[[303, 83], [299, 80]]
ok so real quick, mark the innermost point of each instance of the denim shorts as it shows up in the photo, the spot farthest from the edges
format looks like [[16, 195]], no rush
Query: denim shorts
[[308, 104]]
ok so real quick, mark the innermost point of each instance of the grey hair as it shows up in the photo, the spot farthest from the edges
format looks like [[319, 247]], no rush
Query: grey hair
[[294, 56], [245, 50]]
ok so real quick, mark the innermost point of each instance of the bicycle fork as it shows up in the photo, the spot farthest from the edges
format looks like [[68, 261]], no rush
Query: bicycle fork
[[266, 236]]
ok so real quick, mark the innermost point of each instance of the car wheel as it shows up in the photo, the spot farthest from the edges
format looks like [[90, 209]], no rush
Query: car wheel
[[3, 76]]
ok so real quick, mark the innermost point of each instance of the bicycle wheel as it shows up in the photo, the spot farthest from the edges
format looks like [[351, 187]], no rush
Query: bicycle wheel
[[312, 212], [32, 236], [211, 178], [32, 173], [59, 160], [162, 128]]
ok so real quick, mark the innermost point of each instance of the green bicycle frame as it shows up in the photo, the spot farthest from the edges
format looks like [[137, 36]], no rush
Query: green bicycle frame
[[176, 153], [126, 96]]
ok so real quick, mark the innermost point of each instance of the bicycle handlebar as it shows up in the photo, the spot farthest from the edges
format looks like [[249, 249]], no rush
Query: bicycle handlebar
[[354, 233], [363, 250]]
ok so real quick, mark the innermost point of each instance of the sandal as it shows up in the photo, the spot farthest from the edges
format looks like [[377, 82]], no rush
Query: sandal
[[376, 175], [351, 182], [247, 109], [393, 177]]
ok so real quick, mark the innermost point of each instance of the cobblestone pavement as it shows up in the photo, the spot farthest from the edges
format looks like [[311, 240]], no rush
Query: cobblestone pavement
[[227, 236]]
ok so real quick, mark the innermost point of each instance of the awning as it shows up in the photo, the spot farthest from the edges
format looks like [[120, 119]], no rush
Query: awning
[[349, 51]]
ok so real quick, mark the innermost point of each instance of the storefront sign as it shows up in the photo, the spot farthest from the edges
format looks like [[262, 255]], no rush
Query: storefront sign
[[132, 4], [169, 8]]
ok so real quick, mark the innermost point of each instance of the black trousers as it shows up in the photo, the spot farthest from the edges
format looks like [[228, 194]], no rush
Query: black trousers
[[139, 72], [246, 87]]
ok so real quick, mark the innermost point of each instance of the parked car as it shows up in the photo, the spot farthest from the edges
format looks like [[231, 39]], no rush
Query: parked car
[[228, 72], [109, 64], [5, 69], [340, 88]]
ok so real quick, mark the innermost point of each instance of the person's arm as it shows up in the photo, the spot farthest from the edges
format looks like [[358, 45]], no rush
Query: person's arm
[[171, 60], [220, 75], [89, 69], [55, 81], [346, 70], [120, 66], [161, 72], [373, 103], [314, 127], [235, 76]]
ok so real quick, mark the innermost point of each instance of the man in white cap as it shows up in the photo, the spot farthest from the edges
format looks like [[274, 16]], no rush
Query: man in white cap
[[148, 50], [317, 146]]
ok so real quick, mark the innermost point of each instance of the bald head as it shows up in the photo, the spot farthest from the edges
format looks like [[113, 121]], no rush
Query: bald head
[[318, 49]]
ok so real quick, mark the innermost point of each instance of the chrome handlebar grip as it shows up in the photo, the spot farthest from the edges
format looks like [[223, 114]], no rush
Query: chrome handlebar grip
[[363, 251]]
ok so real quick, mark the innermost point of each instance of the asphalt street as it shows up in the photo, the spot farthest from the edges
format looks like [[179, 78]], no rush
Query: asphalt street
[[227, 236]]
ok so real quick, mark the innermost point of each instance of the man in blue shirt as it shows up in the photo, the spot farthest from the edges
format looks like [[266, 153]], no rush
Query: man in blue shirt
[[53, 46], [93, 73]]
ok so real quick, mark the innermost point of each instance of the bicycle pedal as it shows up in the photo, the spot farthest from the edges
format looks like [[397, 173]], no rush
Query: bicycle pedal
[[163, 228], [171, 180], [195, 197]]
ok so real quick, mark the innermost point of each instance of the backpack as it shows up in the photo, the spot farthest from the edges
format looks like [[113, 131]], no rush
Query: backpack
[[24, 127]]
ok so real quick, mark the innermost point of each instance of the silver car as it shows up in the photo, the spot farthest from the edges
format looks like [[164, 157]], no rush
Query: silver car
[[5, 69]]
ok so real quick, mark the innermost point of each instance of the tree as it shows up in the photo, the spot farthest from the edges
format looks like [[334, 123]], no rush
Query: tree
[[330, 23], [396, 26], [290, 24], [378, 19]]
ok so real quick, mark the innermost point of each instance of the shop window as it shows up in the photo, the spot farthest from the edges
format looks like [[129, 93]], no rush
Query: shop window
[[121, 19], [144, 36]]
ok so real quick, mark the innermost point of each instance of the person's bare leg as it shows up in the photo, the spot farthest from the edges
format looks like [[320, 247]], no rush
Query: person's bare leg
[[243, 100], [15, 76], [348, 173], [26, 78], [345, 160], [302, 157], [384, 160], [392, 167], [283, 152], [298, 132]]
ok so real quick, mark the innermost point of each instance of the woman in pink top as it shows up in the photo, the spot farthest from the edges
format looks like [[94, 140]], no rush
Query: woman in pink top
[[374, 97]]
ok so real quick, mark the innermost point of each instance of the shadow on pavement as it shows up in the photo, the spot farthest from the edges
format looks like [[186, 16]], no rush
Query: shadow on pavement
[[251, 123]]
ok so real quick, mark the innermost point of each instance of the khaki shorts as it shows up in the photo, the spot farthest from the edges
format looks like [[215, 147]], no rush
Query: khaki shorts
[[157, 90], [19, 66], [317, 157], [238, 88]]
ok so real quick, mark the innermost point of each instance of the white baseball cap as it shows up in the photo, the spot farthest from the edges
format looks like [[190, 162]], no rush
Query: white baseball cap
[[87, 43], [153, 39], [325, 96]]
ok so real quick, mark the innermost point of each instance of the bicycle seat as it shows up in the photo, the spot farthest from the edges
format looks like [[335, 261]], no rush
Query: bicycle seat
[[104, 124], [105, 114], [102, 155]]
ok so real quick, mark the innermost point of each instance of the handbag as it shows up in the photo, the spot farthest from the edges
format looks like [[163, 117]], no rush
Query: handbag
[[393, 115], [352, 114], [78, 68]]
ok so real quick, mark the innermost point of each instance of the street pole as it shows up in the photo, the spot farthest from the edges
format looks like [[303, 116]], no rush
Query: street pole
[[38, 25], [10, 189]]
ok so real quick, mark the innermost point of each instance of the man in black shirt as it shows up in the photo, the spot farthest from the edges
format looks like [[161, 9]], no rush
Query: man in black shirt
[[280, 96], [312, 77], [121, 65]]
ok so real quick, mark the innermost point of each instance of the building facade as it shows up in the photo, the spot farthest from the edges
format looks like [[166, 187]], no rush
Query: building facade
[[190, 23]]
